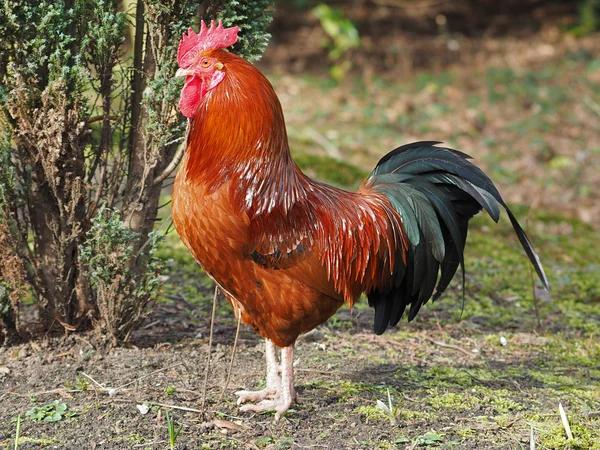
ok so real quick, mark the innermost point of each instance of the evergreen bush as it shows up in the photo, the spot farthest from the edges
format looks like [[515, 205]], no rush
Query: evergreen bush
[[89, 131]]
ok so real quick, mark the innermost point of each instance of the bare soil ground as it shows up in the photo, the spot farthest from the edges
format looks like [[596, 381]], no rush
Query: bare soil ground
[[452, 382], [484, 376]]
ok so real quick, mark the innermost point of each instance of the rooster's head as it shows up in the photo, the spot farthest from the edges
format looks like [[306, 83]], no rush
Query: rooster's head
[[199, 63]]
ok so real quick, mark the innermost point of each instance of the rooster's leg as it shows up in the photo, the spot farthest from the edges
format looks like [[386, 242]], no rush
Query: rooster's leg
[[273, 379], [286, 394]]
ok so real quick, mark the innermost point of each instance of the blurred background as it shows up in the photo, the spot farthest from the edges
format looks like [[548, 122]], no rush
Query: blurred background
[[515, 84]]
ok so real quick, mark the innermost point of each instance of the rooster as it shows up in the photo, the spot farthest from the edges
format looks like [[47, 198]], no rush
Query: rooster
[[288, 251]]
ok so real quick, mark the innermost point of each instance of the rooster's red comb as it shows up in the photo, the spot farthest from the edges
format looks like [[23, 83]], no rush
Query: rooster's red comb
[[207, 39]]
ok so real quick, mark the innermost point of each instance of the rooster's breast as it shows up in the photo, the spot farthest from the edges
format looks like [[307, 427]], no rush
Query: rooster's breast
[[276, 303]]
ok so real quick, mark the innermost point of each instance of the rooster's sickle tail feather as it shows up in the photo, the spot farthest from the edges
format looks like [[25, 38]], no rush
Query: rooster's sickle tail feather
[[436, 191]]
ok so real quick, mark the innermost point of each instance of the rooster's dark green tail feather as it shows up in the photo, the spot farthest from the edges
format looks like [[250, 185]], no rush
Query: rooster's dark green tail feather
[[436, 191]]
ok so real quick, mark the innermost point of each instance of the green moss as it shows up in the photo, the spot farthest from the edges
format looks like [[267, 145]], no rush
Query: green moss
[[133, 437], [575, 352], [504, 405], [504, 420], [553, 379], [584, 437], [385, 444], [262, 442], [349, 389], [38, 441], [373, 414], [465, 431], [446, 376], [451, 400]]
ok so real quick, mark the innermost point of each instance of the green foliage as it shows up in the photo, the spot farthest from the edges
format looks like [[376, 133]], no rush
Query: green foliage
[[105, 33], [589, 18], [262, 442], [17, 433], [373, 414], [162, 92], [429, 439], [342, 31], [343, 38], [173, 433], [80, 384], [46, 37], [253, 18], [51, 412], [121, 294], [170, 390], [86, 120]]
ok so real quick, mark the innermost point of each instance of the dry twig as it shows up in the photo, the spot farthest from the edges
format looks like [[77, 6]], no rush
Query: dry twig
[[177, 157], [451, 346], [210, 338], [181, 408], [235, 342]]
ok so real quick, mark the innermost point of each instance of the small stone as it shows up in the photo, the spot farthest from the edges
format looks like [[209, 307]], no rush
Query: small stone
[[503, 341], [143, 408], [453, 45], [204, 426]]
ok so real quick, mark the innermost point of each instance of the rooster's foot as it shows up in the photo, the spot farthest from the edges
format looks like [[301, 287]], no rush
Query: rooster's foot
[[256, 396], [285, 395], [279, 404], [273, 388]]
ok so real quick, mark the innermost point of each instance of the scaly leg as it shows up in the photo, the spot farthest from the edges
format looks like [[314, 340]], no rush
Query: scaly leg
[[286, 394], [273, 379]]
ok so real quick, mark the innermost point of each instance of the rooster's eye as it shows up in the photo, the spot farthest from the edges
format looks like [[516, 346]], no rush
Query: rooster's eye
[[205, 63]]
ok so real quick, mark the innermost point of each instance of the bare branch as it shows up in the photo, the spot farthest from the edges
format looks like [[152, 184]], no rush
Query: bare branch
[[172, 165], [93, 119]]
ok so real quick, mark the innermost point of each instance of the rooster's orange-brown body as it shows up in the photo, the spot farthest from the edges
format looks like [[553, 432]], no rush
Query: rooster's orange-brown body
[[278, 307], [289, 251], [286, 250]]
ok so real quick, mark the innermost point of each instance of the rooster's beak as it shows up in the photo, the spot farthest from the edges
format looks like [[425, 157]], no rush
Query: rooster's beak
[[184, 73]]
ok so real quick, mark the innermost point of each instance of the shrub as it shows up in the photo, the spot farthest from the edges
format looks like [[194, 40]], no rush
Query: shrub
[[89, 130]]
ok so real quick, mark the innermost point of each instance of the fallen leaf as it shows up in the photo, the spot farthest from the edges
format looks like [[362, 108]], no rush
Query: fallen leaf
[[530, 339], [383, 407], [227, 425]]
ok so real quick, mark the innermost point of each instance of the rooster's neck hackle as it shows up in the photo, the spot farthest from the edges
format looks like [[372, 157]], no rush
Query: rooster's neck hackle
[[239, 135]]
